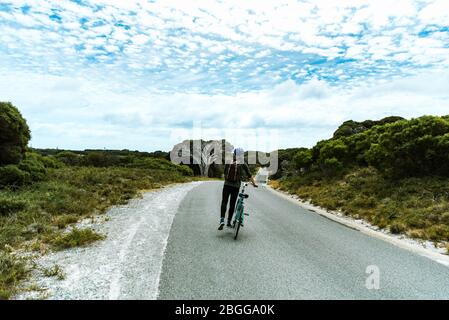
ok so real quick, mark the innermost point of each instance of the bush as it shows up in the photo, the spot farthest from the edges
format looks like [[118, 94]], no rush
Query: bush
[[34, 168], [31, 169], [14, 134], [10, 205], [303, 159], [76, 238], [160, 164], [12, 271], [184, 170], [11, 176], [45, 161], [100, 159], [397, 228], [69, 158], [416, 147], [332, 166], [396, 147]]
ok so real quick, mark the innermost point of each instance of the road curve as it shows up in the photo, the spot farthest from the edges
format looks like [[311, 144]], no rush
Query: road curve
[[285, 252]]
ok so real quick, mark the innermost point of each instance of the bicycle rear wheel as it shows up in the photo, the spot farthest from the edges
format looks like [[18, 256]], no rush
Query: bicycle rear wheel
[[237, 228]]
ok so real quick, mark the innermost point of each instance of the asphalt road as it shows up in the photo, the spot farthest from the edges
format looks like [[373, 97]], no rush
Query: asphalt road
[[285, 252]]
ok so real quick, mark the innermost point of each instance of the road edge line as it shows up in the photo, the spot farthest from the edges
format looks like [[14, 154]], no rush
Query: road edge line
[[415, 247], [164, 251]]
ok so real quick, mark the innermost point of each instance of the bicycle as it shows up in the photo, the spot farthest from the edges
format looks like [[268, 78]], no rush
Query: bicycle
[[239, 213]]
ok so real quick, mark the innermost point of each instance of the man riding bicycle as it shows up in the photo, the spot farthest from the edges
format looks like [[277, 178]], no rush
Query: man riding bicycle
[[233, 177]]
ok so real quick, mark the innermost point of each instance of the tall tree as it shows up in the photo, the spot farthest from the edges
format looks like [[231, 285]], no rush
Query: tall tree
[[14, 134]]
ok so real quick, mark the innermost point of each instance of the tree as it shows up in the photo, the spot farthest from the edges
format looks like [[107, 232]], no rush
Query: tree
[[411, 148], [14, 134], [204, 157], [303, 159], [350, 127]]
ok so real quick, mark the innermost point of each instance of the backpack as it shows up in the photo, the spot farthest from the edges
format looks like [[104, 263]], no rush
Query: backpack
[[233, 173]]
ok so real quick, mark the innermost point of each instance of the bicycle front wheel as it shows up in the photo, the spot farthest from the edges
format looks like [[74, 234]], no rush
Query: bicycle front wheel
[[237, 228]]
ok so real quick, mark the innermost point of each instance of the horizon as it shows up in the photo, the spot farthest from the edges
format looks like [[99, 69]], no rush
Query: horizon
[[203, 139], [132, 75]]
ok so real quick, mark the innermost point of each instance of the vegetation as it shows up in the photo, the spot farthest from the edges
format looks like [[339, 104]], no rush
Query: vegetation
[[12, 271], [76, 238], [14, 134], [54, 271], [42, 192], [393, 173]]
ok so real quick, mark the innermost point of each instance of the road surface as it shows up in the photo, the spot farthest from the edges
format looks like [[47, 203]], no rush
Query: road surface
[[285, 252]]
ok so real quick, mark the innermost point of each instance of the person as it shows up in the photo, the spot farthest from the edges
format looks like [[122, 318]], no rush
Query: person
[[233, 178]]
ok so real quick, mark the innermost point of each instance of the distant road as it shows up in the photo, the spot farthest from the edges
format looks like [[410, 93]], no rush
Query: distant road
[[285, 252]]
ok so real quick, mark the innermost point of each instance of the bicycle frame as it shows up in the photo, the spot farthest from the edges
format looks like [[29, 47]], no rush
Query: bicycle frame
[[239, 213], [239, 207]]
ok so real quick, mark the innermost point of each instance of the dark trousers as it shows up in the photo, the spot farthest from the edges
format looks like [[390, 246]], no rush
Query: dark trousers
[[229, 191]]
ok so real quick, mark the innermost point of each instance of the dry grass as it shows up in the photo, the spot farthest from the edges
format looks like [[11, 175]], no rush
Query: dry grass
[[418, 207]]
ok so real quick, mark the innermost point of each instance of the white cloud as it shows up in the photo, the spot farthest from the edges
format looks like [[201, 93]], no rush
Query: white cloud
[[228, 63], [64, 112]]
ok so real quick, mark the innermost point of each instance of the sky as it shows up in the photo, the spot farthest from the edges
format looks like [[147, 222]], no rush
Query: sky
[[141, 75]]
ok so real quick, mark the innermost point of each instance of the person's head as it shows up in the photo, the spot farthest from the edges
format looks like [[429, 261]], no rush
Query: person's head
[[238, 153]]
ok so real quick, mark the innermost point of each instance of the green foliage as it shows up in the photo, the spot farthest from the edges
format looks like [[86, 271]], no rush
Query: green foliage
[[49, 162], [398, 148], [349, 128], [76, 238], [286, 164], [12, 271], [14, 134], [160, 164], [34, 168], [303, 158], [69, 194], [100, 159], [54, 271], [12, 177], [392, 172], [331, 166], [411, 148], [69, 158], [418, 207], [30, 170], [10, 204]]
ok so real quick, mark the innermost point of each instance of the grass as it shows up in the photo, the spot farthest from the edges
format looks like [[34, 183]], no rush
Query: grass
[[418, 207], [12, 271], [75, 238], [54, 271], [36, 216]]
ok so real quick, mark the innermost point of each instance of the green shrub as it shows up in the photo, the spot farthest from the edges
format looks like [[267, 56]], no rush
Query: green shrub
[[11, 205], [34, 168], [51, 162], [100, 159], [303, 159], [332, 166], [69, 158], [14, 134], [397, 228], [184, 170], [12, 271], [75, 238], [45, 161], [11, 176]]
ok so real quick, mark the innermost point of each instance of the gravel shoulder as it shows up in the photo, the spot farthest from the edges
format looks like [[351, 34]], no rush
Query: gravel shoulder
[[127, 264]]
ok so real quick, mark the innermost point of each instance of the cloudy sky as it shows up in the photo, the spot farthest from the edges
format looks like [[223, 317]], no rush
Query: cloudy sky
[[137, 74]]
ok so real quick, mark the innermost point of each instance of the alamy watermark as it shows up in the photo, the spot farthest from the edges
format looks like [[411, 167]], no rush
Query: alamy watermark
[[220, 151], [373, 280]]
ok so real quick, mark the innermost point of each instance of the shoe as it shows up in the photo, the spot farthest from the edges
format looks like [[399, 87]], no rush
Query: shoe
[[221, 225], [229, 225]]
